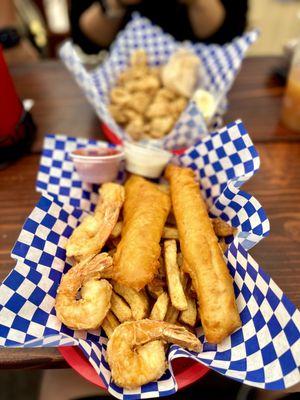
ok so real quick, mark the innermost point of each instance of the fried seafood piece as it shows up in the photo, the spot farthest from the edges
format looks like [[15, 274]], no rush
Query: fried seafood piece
[[120, 96], [146, 209], [178, 105], [159, 108], [117, 112], [90, 236], [203, 257], [139, 101], [222, 228], [139, 57], [89, 311], [160, 126], [181, 72], [135, 128], [147, 83], [131, 74], [136, 354]]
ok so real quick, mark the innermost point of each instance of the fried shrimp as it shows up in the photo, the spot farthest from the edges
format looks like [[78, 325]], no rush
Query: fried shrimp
[[89, 311], [136, 354], [90, 236]]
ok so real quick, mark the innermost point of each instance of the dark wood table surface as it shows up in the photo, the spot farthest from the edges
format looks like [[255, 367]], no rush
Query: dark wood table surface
[[60, 107]]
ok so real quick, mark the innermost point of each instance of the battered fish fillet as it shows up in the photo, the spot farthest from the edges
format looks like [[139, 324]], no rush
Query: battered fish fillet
[[145, 211], [203, 257], [90, 236]]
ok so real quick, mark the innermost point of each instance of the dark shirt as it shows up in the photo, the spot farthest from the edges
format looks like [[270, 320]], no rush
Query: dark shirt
[[172, 17]]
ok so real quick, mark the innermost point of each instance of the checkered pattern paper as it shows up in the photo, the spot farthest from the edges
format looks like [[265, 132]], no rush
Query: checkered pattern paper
[[219, 67], [264, 352], [57, 175]]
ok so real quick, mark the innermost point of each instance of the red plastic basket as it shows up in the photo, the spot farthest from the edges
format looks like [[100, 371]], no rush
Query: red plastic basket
[[113, 138], [186, 370]]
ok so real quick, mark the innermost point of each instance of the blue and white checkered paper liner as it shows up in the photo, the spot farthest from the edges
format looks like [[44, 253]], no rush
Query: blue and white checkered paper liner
[[57, 175], [219, 67], [265, 352]]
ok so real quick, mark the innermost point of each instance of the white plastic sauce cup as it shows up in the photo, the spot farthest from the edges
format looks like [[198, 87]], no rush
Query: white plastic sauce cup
[[97, 165], [146, 161]]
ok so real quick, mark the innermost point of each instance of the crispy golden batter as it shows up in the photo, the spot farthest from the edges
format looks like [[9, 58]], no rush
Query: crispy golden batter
[[90, 236], [89, 311], [146, 209], [201, 252], [136, 354]]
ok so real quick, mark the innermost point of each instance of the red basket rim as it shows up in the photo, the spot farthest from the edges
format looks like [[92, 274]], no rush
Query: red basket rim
[[113, 138], [186, 370]]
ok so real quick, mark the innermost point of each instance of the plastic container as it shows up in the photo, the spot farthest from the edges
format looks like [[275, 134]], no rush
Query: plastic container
[[96, 165], [290, 113], [146, 161]]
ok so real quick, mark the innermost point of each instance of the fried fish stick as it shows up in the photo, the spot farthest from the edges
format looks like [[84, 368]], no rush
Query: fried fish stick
[[146, 209], [201, 251], [90, 236]]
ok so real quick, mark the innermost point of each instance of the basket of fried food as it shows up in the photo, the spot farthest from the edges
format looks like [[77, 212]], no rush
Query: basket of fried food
[[148, 269], [147, 101], [153, 89]]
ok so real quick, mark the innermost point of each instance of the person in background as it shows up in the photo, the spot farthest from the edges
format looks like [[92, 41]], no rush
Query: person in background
[[96, 23], [16, 48]]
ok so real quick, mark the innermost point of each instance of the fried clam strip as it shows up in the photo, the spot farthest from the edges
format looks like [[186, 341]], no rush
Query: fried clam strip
[[89, 311], [90, 236], [200, 249], [146, 209], [136, 354], [137, 301]]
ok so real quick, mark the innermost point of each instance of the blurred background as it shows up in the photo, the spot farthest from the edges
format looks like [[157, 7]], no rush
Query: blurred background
[[46, 23]]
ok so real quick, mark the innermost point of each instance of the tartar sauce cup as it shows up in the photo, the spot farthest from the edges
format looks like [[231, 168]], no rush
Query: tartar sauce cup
[[97, 165], [146, 161]]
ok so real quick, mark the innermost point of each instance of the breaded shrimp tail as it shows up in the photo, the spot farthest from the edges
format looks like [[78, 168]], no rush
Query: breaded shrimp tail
[[146, 209], [203, 257]]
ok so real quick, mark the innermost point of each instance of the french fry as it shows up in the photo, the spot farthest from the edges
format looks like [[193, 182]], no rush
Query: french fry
[[172, 314], [159, 310], [137, 301], [189, 316], [223, 245], [109, 324], [170, 232], [221, 228], [175, 288], [116, 232], [161, 268], [120, 308], [156, 287], [155, 291]]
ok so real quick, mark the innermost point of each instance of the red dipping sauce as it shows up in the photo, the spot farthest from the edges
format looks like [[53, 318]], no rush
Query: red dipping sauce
[[97, 165]]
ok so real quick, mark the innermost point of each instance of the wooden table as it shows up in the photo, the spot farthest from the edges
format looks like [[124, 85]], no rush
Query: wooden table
[[255, 98]]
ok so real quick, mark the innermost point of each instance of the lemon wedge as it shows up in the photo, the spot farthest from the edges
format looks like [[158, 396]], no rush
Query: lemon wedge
[[206, 103]]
